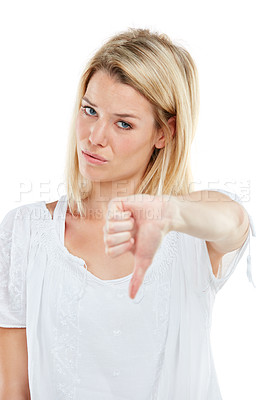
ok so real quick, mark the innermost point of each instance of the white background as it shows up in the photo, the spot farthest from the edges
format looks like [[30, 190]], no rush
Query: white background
[[44, 47]]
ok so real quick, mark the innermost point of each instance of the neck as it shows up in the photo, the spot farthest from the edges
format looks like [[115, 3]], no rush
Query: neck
[[103, 192]]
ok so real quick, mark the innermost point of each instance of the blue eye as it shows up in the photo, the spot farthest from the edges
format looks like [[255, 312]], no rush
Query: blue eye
[[91, 112], [123, 125], [84, 108]]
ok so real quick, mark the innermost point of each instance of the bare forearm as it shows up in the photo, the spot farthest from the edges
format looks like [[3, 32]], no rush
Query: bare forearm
[[208, 215]]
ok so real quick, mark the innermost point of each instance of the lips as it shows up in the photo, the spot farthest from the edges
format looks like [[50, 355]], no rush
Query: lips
[[94, 155]]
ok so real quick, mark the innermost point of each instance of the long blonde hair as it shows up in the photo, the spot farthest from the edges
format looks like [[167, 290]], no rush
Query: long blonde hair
[[166, 75]]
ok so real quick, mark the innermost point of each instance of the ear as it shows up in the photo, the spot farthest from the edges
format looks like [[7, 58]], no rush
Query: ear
[[160, 142]]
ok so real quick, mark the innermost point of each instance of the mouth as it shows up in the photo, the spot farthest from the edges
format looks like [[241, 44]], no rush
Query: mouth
[[92, 160], [95, 156]]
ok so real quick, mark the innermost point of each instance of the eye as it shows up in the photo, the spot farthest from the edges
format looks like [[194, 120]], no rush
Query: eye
[[84, 110], [128, 126], [89, 111]]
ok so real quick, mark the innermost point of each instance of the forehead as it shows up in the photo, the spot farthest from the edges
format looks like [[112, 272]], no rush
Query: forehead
[[104, 90]]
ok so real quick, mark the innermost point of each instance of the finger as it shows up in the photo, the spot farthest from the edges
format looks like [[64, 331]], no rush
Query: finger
[[122, 215], [115, 207], [119, 226], [117, 238], [119, 249]]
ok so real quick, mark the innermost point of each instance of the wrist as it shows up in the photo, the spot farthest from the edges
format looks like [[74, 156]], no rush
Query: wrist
[[171, 214]]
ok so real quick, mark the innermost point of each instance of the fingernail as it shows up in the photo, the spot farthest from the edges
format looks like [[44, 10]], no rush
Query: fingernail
[[133, 290], [131, 294], [130, 288]]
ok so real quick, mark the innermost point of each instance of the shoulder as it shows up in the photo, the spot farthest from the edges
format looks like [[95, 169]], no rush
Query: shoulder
[[15, 245], [21, 215]]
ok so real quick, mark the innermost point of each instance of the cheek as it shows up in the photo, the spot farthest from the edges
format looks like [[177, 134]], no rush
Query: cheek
[[126, 147], [132, 148]]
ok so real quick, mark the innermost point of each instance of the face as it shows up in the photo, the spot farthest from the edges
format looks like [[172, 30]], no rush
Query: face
[[126, 141]]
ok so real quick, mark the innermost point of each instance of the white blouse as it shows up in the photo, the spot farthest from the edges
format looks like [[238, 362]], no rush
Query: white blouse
[[86, 338]]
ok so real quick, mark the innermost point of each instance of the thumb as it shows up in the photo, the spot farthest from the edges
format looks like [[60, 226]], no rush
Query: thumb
[[141, 265]]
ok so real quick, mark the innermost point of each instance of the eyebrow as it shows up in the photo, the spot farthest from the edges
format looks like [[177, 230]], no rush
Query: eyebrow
[[117, 115]]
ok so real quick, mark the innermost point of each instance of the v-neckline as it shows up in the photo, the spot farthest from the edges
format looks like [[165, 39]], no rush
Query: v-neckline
[[59, 221]]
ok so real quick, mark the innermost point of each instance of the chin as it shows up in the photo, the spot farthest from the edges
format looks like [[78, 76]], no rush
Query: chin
[[91, 176]]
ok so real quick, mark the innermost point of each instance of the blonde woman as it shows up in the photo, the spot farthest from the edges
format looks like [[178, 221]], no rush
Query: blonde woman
[[113, 284]]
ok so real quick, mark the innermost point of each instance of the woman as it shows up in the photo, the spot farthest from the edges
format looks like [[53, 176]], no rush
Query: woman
[[115, 282]]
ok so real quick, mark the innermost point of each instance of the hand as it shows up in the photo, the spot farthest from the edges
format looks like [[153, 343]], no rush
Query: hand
[[138, 224]]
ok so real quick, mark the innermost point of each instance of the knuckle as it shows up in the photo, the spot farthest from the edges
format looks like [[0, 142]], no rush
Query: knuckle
[[131, 223], [108, 240], [128, 235], [110, 227]]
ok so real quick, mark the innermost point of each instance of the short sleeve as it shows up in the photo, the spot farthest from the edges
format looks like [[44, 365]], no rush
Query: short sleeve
[[196, 261], [231, 259], [14, 246]]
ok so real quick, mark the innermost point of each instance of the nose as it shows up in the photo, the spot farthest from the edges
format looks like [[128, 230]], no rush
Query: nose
[[98, 133]]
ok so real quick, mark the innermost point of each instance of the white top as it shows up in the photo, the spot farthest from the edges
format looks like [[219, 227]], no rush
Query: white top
[[86, 338]]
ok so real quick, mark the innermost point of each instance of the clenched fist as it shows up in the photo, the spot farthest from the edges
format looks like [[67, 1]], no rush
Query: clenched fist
[[137, 223]]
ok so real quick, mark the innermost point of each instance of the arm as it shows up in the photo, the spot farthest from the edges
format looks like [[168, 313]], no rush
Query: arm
[[212, 216], [13, 364], [208, 215]]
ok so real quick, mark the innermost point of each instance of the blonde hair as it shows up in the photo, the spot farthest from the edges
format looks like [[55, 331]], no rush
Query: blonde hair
[[166, 75]]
